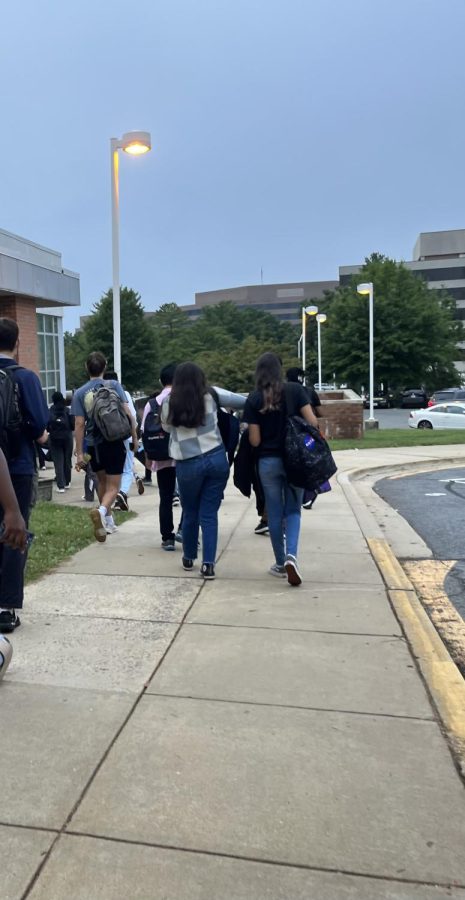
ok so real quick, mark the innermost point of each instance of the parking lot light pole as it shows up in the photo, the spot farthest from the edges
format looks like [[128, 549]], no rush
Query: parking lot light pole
[[320, 319], [306, 311], [135, 143], [367, 290]]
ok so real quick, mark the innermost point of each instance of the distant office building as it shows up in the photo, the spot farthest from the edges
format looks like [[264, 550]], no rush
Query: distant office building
[[281, 300], [439, 258], [34, 288]]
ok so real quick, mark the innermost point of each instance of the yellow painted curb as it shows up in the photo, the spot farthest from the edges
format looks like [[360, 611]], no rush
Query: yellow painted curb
[[443, 679]]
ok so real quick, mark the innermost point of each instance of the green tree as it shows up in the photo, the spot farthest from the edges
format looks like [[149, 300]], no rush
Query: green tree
[[76, 353], [415, 332], [139, 357], [168, 320]]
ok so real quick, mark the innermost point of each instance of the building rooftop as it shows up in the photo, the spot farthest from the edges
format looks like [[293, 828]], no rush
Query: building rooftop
[[30, 270]]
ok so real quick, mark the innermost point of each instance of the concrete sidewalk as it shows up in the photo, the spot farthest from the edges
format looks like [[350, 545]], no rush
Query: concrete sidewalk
[[165, 739]]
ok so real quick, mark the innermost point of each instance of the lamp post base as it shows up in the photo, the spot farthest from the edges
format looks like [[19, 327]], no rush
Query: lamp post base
[[371, 424]]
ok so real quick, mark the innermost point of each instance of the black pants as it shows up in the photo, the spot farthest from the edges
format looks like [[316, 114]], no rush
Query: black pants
[[62, 452], [166, 479], [13, 562]]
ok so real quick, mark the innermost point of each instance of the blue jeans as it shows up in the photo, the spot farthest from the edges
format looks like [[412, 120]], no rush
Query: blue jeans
[[283, 503], [201, 481]]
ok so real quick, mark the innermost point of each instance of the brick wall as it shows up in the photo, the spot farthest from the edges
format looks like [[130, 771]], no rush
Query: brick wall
[[23, 311], [342, 414]]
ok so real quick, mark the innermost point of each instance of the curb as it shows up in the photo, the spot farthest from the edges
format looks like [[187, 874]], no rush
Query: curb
[[442, 677]]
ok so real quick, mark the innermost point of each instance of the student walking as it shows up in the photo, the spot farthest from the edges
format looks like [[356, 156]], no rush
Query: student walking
[[266, 410], [190, 416], [60, 427], [165, 469], [129, 475]]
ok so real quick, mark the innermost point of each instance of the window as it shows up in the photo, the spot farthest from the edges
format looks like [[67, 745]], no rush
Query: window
[[49, 354], [456, 410], [437, 409]]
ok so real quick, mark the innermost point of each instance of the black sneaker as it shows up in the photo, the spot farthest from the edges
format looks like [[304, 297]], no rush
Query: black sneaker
[[168, 545], [8, 621], [308, 504], [187, 564], [140, 485], [121, 501], [176, 500], [262, 527], [146, 481], [207, 571]]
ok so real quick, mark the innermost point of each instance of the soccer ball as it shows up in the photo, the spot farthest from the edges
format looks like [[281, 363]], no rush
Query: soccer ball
[[6, 652]]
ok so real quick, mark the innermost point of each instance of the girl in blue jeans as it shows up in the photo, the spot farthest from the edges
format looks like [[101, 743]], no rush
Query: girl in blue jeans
[[202, 469], [266, 410]]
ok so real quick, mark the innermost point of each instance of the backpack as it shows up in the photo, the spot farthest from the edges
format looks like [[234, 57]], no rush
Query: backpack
[[154, 440], [307, 459], [58, 424], [108, 414], [229, 428], [11, 418]]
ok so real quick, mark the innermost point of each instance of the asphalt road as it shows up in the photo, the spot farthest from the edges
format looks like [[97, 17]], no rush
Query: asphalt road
[[433, 503], [390, 418]]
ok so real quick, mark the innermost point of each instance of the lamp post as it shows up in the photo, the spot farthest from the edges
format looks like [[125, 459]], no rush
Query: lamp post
[[320, 319], [135, 143], [367, 290], [306, 311]]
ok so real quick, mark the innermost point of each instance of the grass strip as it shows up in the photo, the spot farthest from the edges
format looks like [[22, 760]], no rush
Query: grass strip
[[400, 437], [59, 532]]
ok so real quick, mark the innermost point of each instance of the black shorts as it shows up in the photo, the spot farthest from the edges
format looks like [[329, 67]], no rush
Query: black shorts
[[108, 457]]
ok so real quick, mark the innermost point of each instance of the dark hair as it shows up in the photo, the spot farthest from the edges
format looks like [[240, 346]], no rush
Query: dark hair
[[112, 376], [9, 332], [269, 381], [187, 398], [96, 364], [57, 397], [167, 374], [295, 374]]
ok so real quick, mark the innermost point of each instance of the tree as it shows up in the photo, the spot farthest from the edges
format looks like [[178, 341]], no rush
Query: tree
[[415, 333], [76, 353], [138, 341], [168, 320]]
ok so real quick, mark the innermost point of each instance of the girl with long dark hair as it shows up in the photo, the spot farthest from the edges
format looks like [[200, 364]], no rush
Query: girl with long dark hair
[[266, 410], [190, 416]]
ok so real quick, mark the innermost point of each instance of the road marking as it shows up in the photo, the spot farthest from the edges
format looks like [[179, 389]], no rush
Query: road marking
[[453, 480], [435, 494]]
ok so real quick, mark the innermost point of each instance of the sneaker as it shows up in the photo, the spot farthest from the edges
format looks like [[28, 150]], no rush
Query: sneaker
[[187, 564], [140, 485], [43, 468], [111, 526], [207, 571], [60, 490], [176, 500], [178, 537], [8, 621], [121, 501], [100, 527], [292, 571], [262, 527], [308, 504], [168, 545], [67, 487], [146, 481], [277, 571]]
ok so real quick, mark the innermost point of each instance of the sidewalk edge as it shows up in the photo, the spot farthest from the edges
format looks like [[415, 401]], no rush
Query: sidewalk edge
[[442, 677]]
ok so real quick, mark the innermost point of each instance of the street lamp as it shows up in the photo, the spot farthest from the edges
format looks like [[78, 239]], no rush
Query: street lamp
[[367, 290], [306, 311], [135, 143], [320, 319]]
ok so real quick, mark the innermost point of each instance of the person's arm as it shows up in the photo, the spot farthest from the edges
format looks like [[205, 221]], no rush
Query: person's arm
[[250, 418], [255, 437], [307, 413], [14, 531], [132, 421], [79, 429], [35, 410], [165, 409], [229, 399]]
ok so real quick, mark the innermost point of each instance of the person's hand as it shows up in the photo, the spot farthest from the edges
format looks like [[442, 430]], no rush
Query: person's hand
[[43, 438], [79, 461], [14, 533]]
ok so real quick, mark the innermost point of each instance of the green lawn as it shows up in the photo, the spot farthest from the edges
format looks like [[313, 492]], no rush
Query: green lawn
[[59, 532], [400, 437]]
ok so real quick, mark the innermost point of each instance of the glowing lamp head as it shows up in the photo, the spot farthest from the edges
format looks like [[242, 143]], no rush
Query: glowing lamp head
[[310, 310], [136, 142], [364, 288], [321, 317]]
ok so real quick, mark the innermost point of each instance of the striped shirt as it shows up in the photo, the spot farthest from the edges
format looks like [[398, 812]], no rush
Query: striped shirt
[[185, 443]]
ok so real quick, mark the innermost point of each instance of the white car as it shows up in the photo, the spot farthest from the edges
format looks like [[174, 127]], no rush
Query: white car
[[443, 415]]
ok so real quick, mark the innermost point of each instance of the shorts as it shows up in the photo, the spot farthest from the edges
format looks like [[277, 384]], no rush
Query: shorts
[[108, 457]]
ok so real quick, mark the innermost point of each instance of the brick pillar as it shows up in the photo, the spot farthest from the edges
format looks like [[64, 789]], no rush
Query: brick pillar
[[23, 311]]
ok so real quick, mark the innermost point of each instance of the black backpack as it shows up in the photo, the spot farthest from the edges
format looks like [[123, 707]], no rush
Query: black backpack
[[58, 423], [155, 441], [11, 419], [307, 458]]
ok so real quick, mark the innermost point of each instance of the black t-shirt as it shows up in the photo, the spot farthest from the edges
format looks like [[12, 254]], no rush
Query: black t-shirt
[[313, 397], [272, 423]]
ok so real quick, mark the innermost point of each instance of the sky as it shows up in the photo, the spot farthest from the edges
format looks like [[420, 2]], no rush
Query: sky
[[289, 135]]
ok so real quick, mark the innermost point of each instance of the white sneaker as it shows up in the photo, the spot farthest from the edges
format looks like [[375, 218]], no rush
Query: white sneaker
[[110, 525], [60, 490], [98, 521]]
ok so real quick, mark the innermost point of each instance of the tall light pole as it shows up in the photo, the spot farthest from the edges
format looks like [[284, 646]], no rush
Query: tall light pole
[[135, 143], [306, 311], [367, 290], [320, 319]]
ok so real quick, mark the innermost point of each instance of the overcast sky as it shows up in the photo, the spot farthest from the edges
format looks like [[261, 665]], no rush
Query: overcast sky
[[297, 135]]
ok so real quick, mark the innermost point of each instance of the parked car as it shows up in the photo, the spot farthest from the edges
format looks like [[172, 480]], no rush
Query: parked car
[[448, 394], [381, 400], [443, 415], [414, 397]]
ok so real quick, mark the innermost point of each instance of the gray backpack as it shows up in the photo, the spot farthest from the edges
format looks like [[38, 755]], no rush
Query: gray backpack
[[108, 414]]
